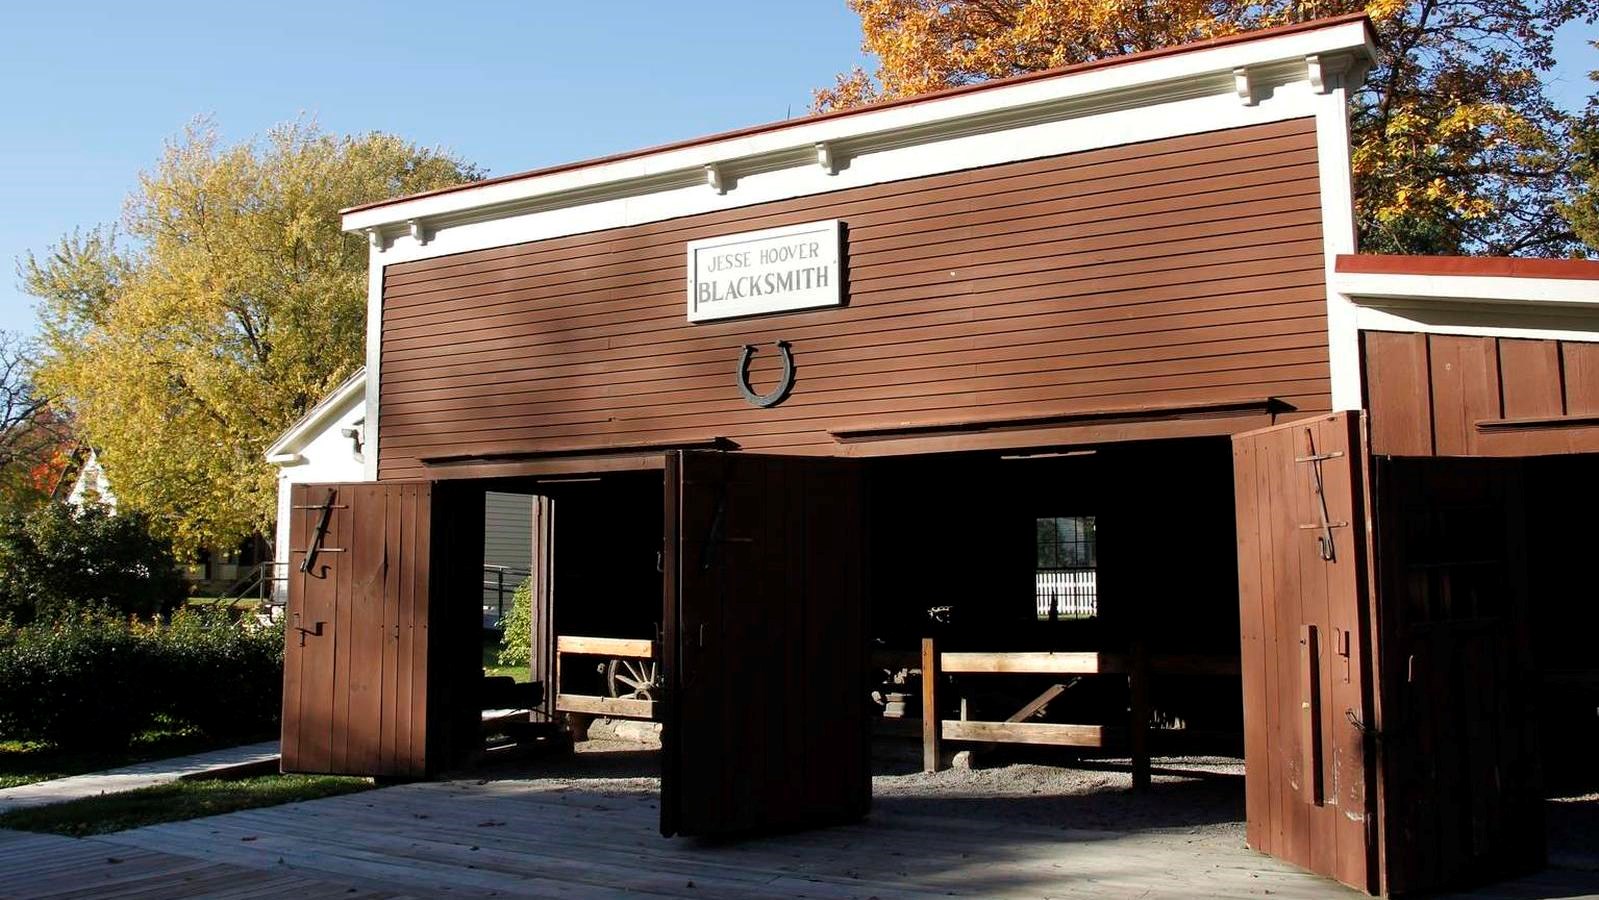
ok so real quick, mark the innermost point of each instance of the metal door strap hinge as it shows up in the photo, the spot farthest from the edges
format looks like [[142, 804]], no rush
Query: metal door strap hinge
[[1324, 541], [326, 510]]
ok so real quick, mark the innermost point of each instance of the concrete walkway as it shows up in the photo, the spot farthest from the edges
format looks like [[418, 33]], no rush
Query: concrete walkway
[[128, 778]]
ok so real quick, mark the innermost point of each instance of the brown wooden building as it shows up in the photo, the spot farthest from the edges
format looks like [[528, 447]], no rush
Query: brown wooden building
[[907, 370]]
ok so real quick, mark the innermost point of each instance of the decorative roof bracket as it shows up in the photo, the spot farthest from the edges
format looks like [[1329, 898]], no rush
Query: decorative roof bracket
[[1244, 84], [827, 158], [715, 178]]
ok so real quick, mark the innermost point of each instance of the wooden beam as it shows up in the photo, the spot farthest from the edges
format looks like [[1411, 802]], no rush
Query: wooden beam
[[1050, 733], [1139, 712], [1141, 413], [931, 675], [599, 646], [1030, 664], [1038, 703], [615, 707]]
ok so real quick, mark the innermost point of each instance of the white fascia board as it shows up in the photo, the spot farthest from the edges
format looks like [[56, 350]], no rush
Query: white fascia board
[[285, 450], [1144, 121], [1174, 74], [1563, 309], [1364, 287], [1476, 319]]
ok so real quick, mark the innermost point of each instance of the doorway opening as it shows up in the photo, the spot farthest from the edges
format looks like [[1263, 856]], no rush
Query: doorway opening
[[1075, 608]]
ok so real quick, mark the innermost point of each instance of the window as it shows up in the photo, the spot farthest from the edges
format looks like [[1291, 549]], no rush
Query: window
[[1065, 576]]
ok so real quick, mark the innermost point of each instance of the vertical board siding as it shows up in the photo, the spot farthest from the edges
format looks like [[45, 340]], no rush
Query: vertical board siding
[[1174, 271], [352, 701], [1454, 395], [753, 618], [1534, 387], [1580, 369], [1287, 588]]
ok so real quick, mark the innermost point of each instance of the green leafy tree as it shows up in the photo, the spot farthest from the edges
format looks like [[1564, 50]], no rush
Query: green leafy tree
[[236, 304], [1582, 211], [58, 560]]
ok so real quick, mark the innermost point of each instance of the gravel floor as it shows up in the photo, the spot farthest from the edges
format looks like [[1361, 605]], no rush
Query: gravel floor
[[1202, 797]]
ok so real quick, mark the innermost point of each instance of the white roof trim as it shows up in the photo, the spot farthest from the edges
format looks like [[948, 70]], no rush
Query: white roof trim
[[1269, 59], [285, 450], [1369, 289], [1564, 309]]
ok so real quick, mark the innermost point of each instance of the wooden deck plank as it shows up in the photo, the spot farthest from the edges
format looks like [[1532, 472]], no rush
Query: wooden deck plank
[[918, 862], [62, 868], [548, 838]]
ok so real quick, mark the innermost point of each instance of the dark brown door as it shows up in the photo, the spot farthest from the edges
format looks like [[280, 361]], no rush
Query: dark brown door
[[1303, 599], [1460, 771], [765, 722], [355, 677]]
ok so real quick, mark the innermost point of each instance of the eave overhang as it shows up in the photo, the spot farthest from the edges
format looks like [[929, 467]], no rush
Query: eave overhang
[[1326, 53]]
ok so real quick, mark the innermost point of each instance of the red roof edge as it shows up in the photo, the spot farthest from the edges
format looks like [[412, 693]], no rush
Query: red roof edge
[[1496, 266], [1110, 62]]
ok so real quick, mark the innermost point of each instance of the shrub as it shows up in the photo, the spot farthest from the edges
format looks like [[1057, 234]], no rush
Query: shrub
[[94, 680], [59, 559], [225, 676], [516, 640], [80, 682]]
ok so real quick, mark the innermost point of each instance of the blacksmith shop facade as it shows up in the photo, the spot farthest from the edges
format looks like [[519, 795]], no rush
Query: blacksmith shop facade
[[1073, 373]]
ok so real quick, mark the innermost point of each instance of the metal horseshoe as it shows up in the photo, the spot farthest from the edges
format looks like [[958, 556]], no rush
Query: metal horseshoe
[[783, 387]]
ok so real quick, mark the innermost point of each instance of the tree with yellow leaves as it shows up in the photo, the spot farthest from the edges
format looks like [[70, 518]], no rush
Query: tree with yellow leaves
[[239, 304], [1457, 148]]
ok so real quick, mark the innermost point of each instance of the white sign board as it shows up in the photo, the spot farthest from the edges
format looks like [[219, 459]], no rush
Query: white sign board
[[756, 272]]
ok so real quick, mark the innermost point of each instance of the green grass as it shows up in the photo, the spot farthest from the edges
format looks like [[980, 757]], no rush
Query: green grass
[[176, 802], [25, 762], [491, 662]]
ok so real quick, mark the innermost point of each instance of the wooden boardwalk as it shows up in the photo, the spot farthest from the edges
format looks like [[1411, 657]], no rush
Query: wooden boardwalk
[[549, 838]]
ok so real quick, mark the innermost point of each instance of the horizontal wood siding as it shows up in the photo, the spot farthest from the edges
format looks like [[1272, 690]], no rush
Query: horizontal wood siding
[[1170, 272], [1458, 395]]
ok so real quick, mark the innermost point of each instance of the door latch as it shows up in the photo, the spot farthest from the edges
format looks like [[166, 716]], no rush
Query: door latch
[[314, 631]]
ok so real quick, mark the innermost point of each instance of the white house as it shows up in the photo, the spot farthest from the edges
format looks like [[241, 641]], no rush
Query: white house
[[91, 485], [328, 444]]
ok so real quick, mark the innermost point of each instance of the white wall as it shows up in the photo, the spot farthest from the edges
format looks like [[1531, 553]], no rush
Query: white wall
[[91, 481], [327, 456]]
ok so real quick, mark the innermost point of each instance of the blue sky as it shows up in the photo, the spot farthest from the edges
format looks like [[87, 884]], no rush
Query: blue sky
[[96, 87]]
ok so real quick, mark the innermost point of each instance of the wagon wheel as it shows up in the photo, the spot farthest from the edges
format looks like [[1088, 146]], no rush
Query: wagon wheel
[[631, 679]]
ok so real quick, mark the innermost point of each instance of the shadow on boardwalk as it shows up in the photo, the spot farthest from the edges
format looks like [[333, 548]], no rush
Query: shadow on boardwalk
[[588, 828]]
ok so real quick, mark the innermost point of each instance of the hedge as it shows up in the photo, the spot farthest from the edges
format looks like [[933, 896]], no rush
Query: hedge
[[95, 680]]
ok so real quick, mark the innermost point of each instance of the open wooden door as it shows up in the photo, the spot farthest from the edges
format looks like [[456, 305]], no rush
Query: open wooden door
[[1460, 758], [1304, 604], [355, 674], [764, 718]]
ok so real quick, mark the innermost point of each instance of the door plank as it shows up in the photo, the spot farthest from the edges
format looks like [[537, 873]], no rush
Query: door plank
[[764, 658], [1306, 773], [352, 704]]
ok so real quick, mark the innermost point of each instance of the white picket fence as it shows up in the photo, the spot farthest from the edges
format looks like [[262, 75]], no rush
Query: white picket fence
[[1069, 594]]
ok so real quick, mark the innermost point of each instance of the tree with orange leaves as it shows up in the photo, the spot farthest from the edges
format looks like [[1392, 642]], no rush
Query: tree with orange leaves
[[1457, 147], [36, 446]]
